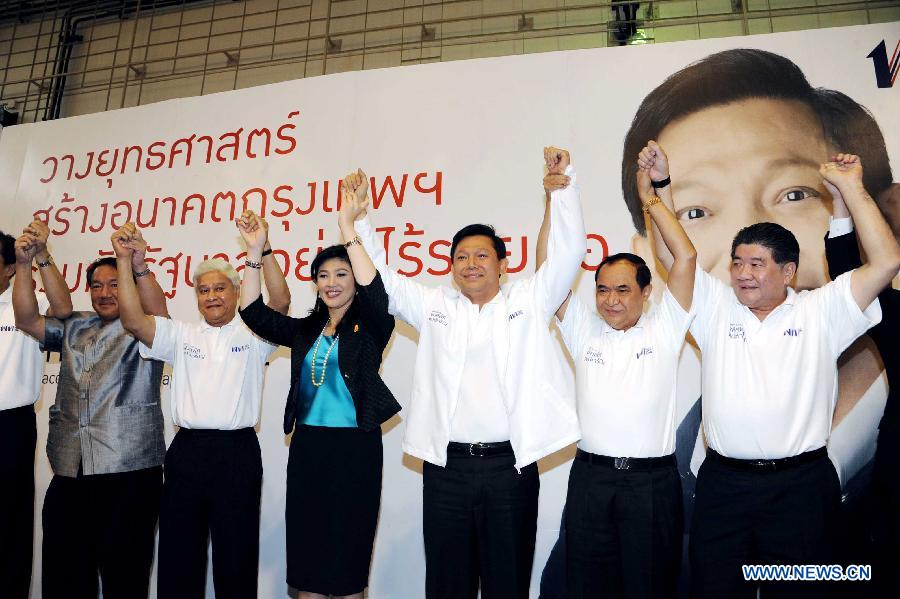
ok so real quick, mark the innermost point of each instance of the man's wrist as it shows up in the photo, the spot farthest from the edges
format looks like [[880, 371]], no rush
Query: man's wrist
[[661, 183], [254, 254], [852, 191]]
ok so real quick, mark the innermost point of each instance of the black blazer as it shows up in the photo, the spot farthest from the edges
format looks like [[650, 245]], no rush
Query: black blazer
[[364, 332], [842, 254]]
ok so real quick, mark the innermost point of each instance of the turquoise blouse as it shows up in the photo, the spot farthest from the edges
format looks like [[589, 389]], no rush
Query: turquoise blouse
[[331, 403]]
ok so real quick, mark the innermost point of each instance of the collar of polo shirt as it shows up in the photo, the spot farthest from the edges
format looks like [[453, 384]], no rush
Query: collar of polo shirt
[[205, 325]]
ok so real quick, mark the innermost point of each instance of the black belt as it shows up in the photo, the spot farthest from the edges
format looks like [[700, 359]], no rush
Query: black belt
[[625, 463], [215, 432], [479, 449], [768, 465]]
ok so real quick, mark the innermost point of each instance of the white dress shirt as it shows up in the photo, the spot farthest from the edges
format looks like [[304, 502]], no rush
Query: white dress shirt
[[626, 380], [21, 357], [480, 414], [537, 385], [769, 387], [217, 372]]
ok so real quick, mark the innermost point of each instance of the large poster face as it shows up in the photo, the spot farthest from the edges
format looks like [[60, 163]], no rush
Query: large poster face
[[455, 143]]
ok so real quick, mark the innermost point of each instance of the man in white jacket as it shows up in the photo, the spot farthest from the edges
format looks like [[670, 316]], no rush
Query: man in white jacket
[[492, 394]]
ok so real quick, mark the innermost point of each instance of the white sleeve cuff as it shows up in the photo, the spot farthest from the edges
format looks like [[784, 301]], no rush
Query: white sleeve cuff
[[839, 226]]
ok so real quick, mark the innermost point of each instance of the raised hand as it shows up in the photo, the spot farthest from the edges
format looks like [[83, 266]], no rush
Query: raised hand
[[39, 232], [354, 198], [557, 160], [654, 160], [121, 241], [842, 175], [26, 248], [254, 230]]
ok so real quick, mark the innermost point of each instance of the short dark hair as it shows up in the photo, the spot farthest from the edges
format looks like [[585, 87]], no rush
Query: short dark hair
[[107, 261], [780, 241], [740, 74], [8, 249], [642, 273], [479, 230]]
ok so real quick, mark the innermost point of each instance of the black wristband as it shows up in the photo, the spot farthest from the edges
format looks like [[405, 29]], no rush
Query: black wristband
[[266, 253], [661, 184]]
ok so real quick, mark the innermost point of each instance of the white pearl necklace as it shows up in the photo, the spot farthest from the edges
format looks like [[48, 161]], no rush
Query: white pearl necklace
[[312, 373]]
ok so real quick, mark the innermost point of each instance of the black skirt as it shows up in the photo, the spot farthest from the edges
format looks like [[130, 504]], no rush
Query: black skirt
[[333, 497]]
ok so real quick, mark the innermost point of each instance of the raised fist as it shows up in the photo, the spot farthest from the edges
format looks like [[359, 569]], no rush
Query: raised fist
[[39, 232], [354, 198], [556, 160], [122, 241], [253, 229], [653, 159], [26, 249], [842, 174]]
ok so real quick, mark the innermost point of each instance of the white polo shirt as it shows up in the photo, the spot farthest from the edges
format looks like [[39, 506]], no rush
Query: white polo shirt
[[625, 380], [20, 356], [770, 387], [217, 372]]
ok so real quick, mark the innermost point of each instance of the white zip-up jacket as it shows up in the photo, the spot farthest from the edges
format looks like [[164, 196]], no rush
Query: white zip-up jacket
[[537, 383]]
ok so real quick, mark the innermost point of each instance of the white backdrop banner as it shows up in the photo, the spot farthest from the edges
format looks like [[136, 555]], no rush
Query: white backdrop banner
[[446, 145]]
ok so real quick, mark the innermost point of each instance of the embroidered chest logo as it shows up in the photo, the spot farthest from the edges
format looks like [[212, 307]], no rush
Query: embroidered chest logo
[[236, 349], [792, 332], [193, 352], [594, 356], [516, 314], [646, 351], [8, 328], [438, 317], [736, 331]]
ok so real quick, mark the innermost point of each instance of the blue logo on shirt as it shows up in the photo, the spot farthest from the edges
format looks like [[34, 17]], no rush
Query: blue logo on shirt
[[8, 328], [644, 352], [792, 332], [516, 314], [239, 348]]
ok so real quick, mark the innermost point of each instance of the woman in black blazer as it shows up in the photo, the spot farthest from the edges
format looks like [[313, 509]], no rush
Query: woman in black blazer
[[335, 406]]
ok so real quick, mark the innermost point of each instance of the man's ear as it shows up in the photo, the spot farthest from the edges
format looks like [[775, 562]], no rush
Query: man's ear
[[789, 270], [503, 265]]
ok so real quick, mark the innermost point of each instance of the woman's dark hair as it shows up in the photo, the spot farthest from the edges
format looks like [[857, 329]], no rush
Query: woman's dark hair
[[740, 74], [338, 252]]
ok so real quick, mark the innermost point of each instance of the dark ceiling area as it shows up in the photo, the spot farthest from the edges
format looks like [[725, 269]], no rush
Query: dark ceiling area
[[25, 11]]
